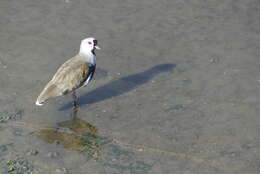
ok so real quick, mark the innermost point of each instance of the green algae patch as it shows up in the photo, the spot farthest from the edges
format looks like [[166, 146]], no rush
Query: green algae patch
[[124, 161], [19, 165], [6, 116]]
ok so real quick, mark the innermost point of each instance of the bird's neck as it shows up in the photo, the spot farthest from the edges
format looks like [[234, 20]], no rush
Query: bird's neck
[[88, 56]]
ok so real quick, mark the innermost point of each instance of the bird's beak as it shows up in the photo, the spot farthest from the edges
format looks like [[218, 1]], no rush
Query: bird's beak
[[97, 47]]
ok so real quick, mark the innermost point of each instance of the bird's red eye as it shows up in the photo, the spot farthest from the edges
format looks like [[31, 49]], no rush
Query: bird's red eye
[[89, 43]]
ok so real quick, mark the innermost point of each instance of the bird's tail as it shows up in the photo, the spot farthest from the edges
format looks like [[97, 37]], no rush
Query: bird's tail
[[40, 99], [39, 103], [48, 92]]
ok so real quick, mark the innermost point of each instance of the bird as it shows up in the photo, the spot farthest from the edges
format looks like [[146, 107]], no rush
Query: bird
[[75, 73]]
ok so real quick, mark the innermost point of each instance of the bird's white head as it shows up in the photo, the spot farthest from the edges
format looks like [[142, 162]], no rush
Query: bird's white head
[[88, 46]]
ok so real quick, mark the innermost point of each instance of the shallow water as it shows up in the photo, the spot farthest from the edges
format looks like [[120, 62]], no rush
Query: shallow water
[[175, 91]]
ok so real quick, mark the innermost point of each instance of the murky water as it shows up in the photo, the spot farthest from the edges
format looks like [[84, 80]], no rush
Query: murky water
[[175, 91], [74, 135]]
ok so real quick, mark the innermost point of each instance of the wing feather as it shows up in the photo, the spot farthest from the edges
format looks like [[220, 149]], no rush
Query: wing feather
[[70, 76]]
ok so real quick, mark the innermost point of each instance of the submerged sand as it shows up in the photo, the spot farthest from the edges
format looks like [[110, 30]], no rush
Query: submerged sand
[[176, 89]]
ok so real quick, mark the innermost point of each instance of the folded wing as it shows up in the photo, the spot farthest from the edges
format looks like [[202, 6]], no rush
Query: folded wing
[[70, 76]]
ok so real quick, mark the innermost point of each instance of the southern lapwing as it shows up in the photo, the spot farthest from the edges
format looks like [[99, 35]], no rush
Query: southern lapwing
[[73, 74]]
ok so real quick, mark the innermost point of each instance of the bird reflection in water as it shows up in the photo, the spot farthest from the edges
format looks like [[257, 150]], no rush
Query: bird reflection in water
[[75, 134]]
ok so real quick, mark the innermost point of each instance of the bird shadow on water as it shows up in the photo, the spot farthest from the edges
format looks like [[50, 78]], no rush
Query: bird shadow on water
[[120, 86]]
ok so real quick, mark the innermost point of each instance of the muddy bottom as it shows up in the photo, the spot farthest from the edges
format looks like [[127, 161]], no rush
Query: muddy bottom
[[175, 90]]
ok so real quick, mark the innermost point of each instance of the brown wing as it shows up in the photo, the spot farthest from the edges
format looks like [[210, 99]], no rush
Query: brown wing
[[71, 75]]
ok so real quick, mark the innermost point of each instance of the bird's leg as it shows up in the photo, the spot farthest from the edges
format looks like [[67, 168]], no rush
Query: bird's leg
[[74, 113], [75, 100]]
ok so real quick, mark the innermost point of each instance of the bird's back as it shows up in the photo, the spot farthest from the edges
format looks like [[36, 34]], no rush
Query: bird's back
[[70, 76]]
